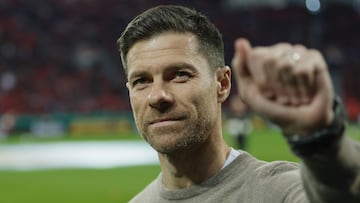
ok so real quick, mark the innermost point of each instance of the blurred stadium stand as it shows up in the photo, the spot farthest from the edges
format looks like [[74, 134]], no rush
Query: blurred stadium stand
[[60, 56]]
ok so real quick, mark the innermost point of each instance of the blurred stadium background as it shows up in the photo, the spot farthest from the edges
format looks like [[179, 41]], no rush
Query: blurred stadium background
[[65, 121]]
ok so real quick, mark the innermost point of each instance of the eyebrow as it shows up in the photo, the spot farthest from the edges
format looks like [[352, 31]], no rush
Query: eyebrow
[[178, 65], [135, 74]]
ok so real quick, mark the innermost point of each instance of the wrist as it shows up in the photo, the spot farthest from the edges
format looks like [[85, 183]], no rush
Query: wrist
[[320, 140]]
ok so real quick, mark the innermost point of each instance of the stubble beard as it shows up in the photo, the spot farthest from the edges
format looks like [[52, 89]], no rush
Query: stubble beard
[[173, 141]]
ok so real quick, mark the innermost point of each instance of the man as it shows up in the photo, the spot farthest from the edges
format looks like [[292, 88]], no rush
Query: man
[[239, 124], [177, 80]]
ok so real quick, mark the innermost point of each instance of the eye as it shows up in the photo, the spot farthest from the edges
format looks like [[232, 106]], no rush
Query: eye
[[140, 82], [181, 76]]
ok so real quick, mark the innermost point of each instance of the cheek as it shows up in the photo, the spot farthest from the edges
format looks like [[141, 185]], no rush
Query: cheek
[[206, 100], [136, 100], [136, 106]]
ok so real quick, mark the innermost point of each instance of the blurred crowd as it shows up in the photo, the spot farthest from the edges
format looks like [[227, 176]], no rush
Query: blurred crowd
[[62, 56]]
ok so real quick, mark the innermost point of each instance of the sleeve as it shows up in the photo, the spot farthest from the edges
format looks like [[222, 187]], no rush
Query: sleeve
[[333, 176]]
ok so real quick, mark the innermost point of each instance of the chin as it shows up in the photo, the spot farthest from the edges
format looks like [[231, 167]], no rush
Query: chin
[[167, 148], [176, 146], [171, 149]]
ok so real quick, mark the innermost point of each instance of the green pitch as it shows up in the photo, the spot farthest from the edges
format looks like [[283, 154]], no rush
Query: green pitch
[[74, 186], [115, 185]]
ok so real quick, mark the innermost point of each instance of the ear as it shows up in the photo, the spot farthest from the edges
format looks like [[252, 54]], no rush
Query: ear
[[223, 83]]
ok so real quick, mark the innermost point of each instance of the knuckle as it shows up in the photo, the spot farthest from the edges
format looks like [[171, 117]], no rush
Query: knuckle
[[299, 46], [314, 52], [302, 71], [270, 61], [283, 45]]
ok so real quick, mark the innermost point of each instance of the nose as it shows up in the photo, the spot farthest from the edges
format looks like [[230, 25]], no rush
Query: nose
[[160, 98]]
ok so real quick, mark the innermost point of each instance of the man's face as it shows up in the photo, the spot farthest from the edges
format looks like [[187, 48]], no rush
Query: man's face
[[173, 92]]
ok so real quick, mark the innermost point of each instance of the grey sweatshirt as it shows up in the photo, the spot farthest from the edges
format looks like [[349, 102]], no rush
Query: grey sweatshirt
[[249, 180]]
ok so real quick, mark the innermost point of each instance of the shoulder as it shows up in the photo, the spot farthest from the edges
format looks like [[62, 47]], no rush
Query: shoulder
[[249, 162], [260, 172], [276, 180], [149, 193], [279, 167]]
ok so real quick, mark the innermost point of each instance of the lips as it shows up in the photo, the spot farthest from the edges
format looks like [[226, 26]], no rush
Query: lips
[[160, 120], [165, 119]]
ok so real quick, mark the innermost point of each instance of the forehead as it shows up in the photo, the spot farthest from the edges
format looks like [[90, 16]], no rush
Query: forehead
[[163, 48]]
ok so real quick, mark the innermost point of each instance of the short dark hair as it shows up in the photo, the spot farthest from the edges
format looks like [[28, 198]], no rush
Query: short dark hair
[[178, 19]]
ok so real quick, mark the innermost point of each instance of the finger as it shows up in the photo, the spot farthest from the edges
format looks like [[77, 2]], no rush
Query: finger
[[305, 74], [323, 89], [297, 75], [272, 70], [304, 89], [271, 79], [286, 92], [292, 84], [299, 87], [242, 49], [241, 73], [257, 59], [263, 58], [305, 71]]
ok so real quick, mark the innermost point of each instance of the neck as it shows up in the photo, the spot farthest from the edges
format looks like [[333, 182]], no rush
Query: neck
[[193, 166]]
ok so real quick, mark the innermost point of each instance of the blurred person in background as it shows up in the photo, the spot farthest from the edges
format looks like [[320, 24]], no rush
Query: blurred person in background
[[177, 82], [239, 124], [7, 124]]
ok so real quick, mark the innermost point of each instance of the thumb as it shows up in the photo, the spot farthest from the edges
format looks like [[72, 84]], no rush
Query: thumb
[[242, 74], [242, 48]]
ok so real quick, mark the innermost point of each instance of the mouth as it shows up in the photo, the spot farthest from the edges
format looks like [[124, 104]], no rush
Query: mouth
[[165, 121]]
